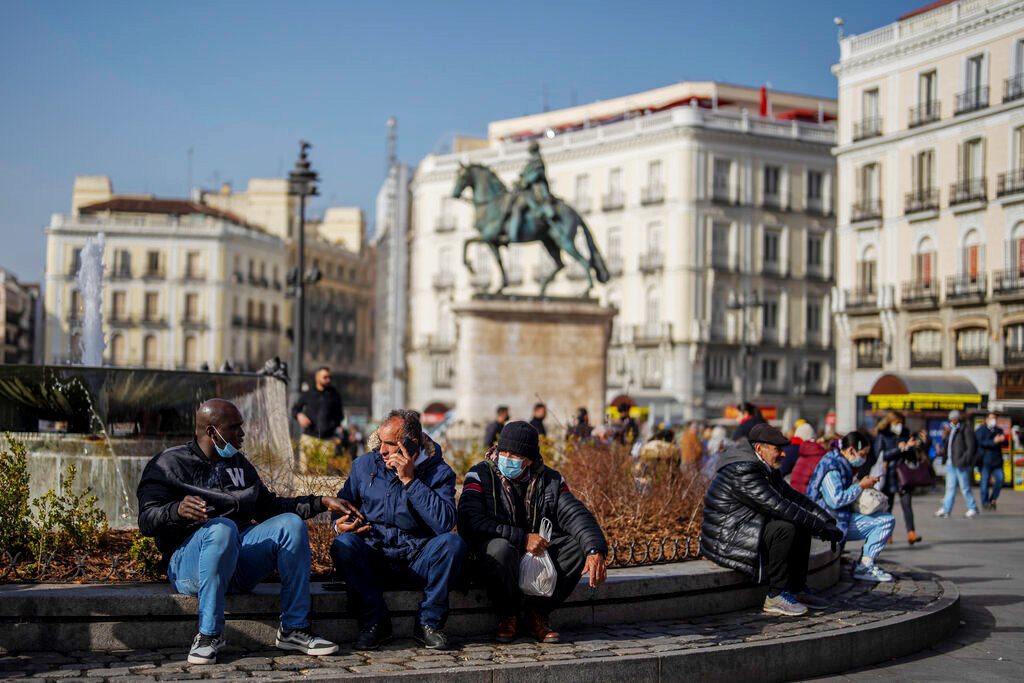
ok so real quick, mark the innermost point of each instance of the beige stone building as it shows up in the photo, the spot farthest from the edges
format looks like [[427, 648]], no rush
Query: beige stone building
[[185, 285], [19, 304], [930, 277], [693, 197]]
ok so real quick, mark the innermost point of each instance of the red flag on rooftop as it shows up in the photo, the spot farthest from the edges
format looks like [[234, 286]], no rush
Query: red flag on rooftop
[[764, 101]]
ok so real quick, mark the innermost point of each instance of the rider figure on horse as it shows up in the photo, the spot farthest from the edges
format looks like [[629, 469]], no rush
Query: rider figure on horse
[[530, 194]]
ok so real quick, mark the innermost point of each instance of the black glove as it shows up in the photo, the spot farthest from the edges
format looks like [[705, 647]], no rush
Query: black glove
[[832, 534]]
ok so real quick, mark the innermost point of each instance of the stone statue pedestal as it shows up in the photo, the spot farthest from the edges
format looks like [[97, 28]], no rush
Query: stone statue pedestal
[[516, 351]]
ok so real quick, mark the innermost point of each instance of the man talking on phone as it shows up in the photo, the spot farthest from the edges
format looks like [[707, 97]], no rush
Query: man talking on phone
[[405, 493]]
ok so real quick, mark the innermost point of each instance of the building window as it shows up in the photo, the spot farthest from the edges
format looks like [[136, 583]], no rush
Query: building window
[[192, 265], [76, 261], [972, 346], [652, 308], [117, 351], [191, 353], [770, 252], [869, 353], [654, 238], [973, 256], [812, 373], [769, 370], [814, 252], [192, 307], [815, 181], [1013, 351], [813, 317], [718, 371], [119, 306], [771, 185], [923, 266], [442, 370], [720, 187], [720, 245], [870, 123], [582, 196], [770, 315], [927, 109], [926, 349], [153, 263], [149, 355], [122, 263], [151, 306], [77, 309], [866, 272]]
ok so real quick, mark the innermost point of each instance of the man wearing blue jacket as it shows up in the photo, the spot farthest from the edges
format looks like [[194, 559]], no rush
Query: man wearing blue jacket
[[406, 492], [990, 440]]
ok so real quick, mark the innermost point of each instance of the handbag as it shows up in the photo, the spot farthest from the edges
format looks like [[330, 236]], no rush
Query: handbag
[[871, 502], [914, 475]]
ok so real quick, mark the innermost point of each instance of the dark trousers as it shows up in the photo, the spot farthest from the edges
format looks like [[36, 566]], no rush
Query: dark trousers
[[366, 571], [905, 505], [497, 562], [787, 549]]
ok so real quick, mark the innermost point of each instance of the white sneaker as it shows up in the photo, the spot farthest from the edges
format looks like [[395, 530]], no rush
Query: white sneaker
[[784, 605], [971, 513], [941, 513], [205, 648], [304, 641], [871, 572]]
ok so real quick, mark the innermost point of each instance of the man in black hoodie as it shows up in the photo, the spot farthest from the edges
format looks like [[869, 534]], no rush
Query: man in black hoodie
[[219, 529]]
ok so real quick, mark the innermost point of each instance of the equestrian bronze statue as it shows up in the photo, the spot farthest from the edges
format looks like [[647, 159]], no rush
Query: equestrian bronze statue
[[529, 213]]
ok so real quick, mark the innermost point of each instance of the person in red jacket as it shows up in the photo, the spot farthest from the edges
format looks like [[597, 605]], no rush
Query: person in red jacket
[[811, 453]]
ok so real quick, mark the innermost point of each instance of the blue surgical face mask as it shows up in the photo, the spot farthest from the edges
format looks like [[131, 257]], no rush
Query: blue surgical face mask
[[228, 450], [858, 461], [510, 467]]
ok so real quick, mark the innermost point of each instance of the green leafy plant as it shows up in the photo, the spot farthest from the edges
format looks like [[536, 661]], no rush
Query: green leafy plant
[[14, 527], [65, 518], [146, 556]]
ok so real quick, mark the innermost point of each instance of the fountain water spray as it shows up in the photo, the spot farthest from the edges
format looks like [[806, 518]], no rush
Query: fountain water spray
[[90, 284]]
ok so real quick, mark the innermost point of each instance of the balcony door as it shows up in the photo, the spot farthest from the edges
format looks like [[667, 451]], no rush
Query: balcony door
[[927, 93], [972, 160], [924, 172]]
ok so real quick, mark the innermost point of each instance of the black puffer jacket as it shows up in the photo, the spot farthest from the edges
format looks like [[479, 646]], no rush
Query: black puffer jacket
[[742, 497], [484, 512]]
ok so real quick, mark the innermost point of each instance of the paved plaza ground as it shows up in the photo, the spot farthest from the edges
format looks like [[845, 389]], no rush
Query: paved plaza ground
[[984, 557]]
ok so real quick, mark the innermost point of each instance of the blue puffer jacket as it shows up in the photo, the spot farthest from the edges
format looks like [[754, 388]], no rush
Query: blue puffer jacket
[[842, 506], [403, 518]]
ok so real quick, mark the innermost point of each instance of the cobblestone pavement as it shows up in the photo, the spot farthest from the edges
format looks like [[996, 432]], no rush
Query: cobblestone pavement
[[852, 604], [984, 557]]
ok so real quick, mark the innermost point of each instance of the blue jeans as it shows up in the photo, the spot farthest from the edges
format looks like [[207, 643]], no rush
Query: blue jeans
[[364, 569], [874, 530], [958, 476], [217, 559], [996, 472]]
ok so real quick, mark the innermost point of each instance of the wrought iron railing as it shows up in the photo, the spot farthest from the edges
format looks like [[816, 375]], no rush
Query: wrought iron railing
[[867, 128], [921, 200], [926, 112], [970, 190], [972, 100]]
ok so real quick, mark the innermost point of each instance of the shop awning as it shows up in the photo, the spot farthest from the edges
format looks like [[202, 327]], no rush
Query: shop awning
[[924, 392]]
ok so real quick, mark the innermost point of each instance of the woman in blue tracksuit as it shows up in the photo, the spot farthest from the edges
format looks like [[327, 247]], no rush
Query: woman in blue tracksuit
[[833, 487]]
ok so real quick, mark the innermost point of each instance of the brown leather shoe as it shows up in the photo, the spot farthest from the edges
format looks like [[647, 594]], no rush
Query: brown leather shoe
[[913, 538], [538, 626], [506, 632]]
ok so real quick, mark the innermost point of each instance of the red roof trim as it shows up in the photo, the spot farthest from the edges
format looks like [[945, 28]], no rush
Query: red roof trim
[[171, 207], [926, 8]]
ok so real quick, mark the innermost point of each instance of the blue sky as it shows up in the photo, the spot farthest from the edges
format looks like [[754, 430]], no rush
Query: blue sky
[[126, 88]]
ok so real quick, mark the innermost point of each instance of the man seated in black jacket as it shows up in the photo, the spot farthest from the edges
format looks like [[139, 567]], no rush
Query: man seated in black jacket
[[220, 529], [756, 523], [504, 498]]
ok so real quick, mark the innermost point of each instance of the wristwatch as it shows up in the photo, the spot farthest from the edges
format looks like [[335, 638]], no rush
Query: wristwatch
[[593, 551]]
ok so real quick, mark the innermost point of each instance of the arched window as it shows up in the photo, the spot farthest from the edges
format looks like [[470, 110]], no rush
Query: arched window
[[972, 256], [1016, 249], [972, 346], [867, 268], [652, 308], [149, 352], [926, 349], [924, 262], [117, 352]]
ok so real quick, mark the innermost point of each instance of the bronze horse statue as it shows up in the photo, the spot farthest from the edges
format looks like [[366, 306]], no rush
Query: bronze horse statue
[[491, 202]]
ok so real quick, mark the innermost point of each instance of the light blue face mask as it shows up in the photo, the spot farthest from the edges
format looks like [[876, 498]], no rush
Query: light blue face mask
[[510, 467], [228, 450], [857, 462]]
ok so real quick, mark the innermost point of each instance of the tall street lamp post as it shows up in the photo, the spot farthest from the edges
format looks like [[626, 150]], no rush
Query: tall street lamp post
[[743, 302], [301, 182]]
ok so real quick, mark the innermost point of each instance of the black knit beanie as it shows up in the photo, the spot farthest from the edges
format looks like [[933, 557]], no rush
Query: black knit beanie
[[519, 438]]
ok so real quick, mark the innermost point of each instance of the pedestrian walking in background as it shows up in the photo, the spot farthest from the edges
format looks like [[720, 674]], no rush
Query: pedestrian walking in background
[[692, 448], [494, 428], [580, 430], [319, 412], [540, 411], [991, 440], [960, 453], [833, 486], [626, 429], [750, 416], [791, 453], [894, 444]]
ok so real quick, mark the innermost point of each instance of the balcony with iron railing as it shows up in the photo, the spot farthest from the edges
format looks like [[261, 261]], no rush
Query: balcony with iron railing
[[771, 201], [153, 274], [1010, 183], [775, 268], [926, 112], [926, 359], [815, 206], [860, 299], [867, 128], [193, 321], [652, 194], [966, 288], [237, 321], [193, 276], [870, 359], [648, 333], [718, 383], [443, 279], [651, 262], [119, 318], [613, 201], [153, 320], [1013, 88], [1008, 284], [971, 100], [444, 224], [972, 357], [920, 200], [120, 273], [967, 191], [920, 293], [1013, 356], [866, 210]]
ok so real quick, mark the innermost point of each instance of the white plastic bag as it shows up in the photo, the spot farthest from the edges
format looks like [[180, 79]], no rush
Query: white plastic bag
[[537, 572], [871, 502]]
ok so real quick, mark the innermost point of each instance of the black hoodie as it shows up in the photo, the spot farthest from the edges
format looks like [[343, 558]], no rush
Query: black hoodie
[[231, 488]]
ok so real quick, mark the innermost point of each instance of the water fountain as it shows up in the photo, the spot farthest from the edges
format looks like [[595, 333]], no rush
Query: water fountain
[[110, 421]]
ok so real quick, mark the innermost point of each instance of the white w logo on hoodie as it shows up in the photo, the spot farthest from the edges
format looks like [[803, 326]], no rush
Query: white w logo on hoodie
[[237, 475]]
